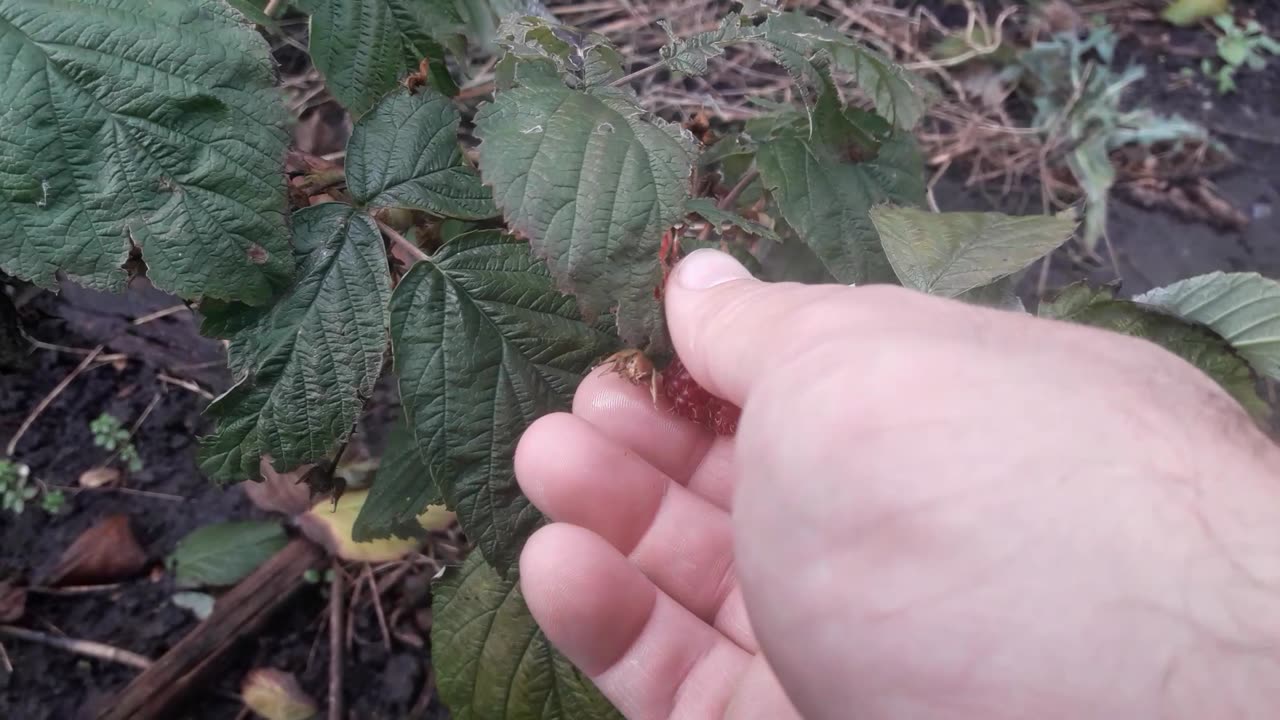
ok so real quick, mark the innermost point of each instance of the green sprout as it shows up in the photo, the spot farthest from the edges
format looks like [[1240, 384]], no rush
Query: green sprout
[[53, 501], [17, 489], [1238, 48], [15, 492], [110, 434]]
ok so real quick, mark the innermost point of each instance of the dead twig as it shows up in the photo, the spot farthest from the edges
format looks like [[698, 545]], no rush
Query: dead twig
[[401, 240], [48, 399], [73, 589], [336, 645], [87, 648], [367, 575], [186, 385], [74, 350], [152, 317]]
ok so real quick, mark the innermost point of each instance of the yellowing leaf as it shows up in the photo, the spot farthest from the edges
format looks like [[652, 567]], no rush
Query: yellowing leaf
[[276, 695], [332, 525], [1189, 12]]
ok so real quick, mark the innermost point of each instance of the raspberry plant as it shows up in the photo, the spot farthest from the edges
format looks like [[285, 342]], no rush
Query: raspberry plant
[[146, 137]]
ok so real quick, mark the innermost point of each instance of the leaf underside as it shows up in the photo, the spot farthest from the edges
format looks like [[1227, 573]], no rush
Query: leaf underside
[[362, 47], [593, 184], [826, 178], [306, 364], [1244, 308], [949, 254], [402, 489], [1196, 344], [141, 124], [484, 344], [405, 154], [499, 665]]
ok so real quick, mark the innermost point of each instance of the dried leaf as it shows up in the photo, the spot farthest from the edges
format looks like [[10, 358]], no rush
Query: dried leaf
[[99, 477], [276, 695], [282, 493], [105, 553], [331, 525]]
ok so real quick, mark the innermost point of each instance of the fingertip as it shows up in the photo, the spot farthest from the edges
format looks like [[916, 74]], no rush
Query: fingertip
[[627, 414], [706, 268], [588, 599], [539, 452]]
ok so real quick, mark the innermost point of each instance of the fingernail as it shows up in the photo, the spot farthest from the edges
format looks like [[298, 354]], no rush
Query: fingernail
[[707, 268]]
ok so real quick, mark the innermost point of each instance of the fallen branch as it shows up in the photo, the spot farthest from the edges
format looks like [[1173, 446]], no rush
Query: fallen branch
[[240, 613], [87, 648]]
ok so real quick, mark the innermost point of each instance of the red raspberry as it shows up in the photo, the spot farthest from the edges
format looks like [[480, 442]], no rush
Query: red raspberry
[[690, 400]]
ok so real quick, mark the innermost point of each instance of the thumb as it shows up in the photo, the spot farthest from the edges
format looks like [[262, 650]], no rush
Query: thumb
[[730, 329]]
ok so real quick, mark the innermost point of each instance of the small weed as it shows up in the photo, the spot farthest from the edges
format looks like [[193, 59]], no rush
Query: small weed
[[110, 434], [17, 490], [1238, 48], [15, 493], [53, 501]]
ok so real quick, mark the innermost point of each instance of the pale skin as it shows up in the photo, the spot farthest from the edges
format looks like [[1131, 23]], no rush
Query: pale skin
[[930, 511]]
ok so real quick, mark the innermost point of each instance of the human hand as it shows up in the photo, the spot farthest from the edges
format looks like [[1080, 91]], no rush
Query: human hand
[[929, 511]]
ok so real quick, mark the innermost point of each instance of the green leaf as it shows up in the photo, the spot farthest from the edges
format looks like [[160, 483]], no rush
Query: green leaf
[[147, 124], [806, 47], [405, 154], [1190, 12], [582, 59], [225, 553], [1244, 308], [949, 254], [1196, 344], [483, 345], [691, 56], [305, 365], [362, 47], [402, 489], [593, 182], [1000, 295], [492, 660], [707, 209], [826, 180], [1090, 163]]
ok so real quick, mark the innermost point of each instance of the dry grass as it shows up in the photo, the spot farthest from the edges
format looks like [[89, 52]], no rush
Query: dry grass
[[969, 133], [968, 125]]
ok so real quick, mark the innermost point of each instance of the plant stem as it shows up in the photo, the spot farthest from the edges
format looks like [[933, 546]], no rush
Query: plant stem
[[401, 240], [727, 202], [641, 73]]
